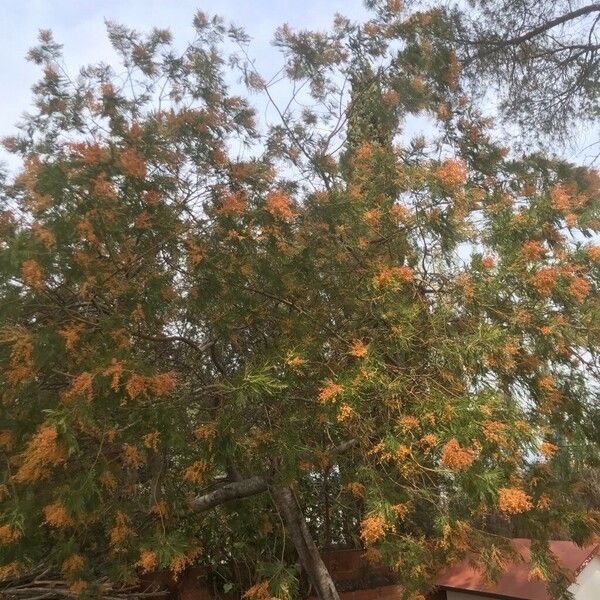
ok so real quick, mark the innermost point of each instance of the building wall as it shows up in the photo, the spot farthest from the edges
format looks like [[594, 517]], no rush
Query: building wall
[[587, 586]]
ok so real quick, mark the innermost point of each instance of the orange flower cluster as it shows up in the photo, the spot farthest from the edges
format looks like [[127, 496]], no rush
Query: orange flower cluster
[[205, 432], [372, 529], [580, 288], [10, 570], [73, 564], [132, 164], [160, 509], [121, 531], [32, 274], [593, 253], [429, 440], [133, 457], [544, 502], [181, 562], [408, 423], [548, 387], [20, 365], [536, 574], [358, 490], [488, 262], [390, 275], [401, 213], [372, 217], [144, 385], [233, 205], [196, 472], [259, 591], [42, 451], [455, 457], [560, 199], [495, 431], [456, 536], [71, 334], [358, 349], [104, 188], [533, 250], [81, 386], [148, 561], [294, 361], [43, 235], [330, 391], [109, 481], [152, 440], [114, 371], [468, 289], [279, 205], [548, 449], [451, 174], [57, 515], [87, 232], [401, 453], [545, 280], [89, 154], [513, 501], [9, 534], [345, 413], [195, 252], [401, 510], [571, 220], [391, 97]]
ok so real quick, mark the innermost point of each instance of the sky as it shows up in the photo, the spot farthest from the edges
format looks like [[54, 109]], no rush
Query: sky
[[79, 25]]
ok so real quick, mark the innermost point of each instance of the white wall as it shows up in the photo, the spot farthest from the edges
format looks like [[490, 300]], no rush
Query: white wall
[[587, 586]]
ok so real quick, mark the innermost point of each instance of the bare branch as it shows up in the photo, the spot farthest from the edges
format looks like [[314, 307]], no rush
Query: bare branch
[[230, 491]]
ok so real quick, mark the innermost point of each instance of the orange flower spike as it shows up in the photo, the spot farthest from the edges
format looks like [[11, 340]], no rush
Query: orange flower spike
[[456, 457], [330, 392], [451, 174], [514, 501]]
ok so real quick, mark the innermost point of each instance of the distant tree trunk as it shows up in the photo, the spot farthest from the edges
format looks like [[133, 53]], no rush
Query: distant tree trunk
[[326, 510], [309, 556]]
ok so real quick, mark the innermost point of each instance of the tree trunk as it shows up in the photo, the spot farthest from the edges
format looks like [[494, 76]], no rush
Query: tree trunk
[[310, 559]]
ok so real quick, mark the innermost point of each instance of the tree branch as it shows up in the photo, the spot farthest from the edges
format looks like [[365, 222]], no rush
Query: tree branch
[[584, 10], [230, 491], [175, 338], [344, 447]]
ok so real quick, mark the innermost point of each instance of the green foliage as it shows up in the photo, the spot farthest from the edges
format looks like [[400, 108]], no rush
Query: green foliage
[[404, 331]]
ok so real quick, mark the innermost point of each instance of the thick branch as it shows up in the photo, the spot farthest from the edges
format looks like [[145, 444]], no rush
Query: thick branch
[[230, 491]]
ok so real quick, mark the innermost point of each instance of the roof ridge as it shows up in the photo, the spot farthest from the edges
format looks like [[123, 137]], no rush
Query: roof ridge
[[593, 553]]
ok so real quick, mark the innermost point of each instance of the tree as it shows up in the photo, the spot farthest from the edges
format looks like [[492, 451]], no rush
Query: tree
[[542, 56], [230, 344]]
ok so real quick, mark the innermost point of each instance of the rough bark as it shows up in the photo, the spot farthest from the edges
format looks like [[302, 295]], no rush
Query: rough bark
[[309, 556], [230, 491]]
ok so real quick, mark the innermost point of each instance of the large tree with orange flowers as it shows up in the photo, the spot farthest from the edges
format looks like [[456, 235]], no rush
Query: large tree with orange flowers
[[232, 343]]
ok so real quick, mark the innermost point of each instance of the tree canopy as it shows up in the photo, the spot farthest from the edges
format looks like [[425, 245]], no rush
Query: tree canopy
[[225, 342], [542, 59]]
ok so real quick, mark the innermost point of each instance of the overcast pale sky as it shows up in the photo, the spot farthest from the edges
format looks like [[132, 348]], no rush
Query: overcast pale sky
[[79, 25]]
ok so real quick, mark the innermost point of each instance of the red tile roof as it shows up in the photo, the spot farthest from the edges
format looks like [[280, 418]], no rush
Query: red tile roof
[[514, 582]]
